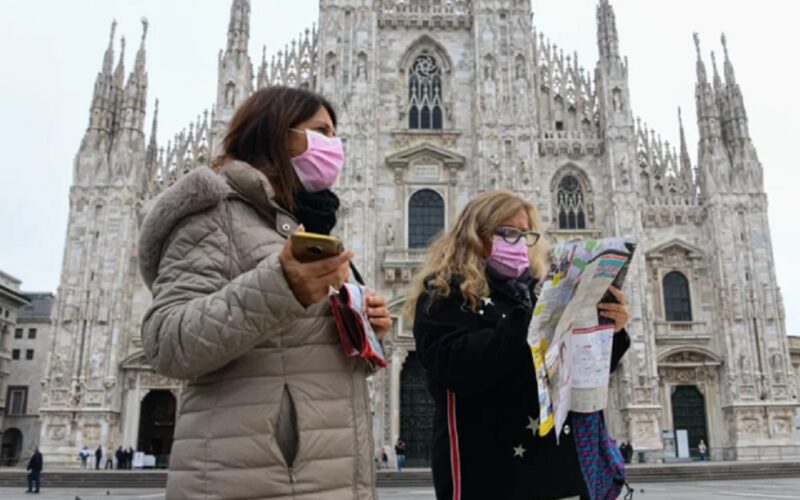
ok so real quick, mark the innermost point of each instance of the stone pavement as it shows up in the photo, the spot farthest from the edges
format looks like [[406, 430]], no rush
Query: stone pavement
[[773, 489]]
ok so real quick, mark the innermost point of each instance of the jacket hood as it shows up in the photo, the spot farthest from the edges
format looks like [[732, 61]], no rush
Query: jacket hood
[[198, 191]]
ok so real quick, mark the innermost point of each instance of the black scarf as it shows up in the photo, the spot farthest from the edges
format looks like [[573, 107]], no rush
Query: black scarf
[[520, 289], [316, 211]]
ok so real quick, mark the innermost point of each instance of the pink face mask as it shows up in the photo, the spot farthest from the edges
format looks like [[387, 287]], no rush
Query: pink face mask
[[510, 260], [321, 163]]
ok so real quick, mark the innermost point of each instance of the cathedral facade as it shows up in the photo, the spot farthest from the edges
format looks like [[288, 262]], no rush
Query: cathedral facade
[[438, 101]]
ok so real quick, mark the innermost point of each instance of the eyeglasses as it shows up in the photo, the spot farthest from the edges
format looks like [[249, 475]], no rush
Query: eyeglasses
[[512, 235]]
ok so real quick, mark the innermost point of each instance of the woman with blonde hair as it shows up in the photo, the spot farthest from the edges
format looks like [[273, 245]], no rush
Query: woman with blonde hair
[[472, 304]]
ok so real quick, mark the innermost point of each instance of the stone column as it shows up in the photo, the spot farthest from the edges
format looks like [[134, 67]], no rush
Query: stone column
[[398, 358], [133, 408]]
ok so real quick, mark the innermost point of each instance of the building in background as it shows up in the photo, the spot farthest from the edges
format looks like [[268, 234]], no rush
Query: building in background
[[794, 350], [11, 300], [437, 102], [30, 347]]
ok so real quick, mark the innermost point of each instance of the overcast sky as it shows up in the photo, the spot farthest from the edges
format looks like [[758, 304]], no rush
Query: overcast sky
[[51, 51]]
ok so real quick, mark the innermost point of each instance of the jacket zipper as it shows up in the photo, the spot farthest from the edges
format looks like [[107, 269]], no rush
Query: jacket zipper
[[370, 439], [355, 437]]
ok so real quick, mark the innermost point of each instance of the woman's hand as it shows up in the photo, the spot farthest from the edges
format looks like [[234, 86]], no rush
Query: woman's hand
[[311, 281], [617, 312], [378, 315]]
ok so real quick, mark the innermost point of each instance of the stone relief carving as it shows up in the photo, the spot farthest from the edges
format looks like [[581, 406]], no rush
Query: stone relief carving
[[91, 433], [154, 380], [78, 388], [57, 432], [58, 367], [781, 426], [94, 398]]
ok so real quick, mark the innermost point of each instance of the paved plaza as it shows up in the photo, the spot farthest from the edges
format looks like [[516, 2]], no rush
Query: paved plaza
[[782, 489]]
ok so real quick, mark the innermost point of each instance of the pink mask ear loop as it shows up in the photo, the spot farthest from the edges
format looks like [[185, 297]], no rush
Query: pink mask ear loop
[[305, 133]]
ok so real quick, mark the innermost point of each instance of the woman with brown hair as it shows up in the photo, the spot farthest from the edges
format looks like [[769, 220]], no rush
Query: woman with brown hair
[[472, 304], [272, 407]]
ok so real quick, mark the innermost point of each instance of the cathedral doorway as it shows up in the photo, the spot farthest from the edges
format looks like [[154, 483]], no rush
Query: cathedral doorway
[[11, 447], [157, 425], [689, 412], [416, 413]]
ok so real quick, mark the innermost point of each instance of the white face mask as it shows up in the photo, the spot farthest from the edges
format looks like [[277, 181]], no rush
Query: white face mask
[[320, 165]]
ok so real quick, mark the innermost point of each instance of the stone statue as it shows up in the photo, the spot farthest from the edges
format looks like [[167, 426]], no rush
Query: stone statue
[[389, 234], [230, 94], [623, 168], [361, 69]]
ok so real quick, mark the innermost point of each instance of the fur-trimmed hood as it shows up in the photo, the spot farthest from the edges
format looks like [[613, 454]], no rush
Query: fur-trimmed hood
[[199, 190]]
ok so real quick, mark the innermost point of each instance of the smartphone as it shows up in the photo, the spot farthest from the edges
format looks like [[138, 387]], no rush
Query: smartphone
[[617, 283], [311, 247]]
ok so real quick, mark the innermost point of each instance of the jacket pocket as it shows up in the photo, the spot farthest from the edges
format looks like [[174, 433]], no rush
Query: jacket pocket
[[286, 433]]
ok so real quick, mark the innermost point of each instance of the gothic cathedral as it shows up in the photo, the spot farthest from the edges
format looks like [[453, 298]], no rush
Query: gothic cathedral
[[440, 100]]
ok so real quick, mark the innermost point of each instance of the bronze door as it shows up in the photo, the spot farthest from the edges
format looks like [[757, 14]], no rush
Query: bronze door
[[689, 412], [416, 413]]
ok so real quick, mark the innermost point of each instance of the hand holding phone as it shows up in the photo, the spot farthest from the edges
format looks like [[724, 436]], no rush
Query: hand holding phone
[[614, 311], [312, 265], [311, 247]]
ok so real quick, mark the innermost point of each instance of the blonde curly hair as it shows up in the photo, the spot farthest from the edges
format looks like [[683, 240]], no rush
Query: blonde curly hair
[[461, 250]]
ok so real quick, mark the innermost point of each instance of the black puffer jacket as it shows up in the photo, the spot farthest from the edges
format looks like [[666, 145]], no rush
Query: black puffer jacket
[[481, 376]]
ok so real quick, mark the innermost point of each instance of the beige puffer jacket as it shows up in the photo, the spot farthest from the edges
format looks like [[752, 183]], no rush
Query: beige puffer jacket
[[272, 408]]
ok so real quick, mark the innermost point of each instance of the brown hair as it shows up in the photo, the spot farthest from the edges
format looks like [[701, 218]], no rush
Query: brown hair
[[257, 134]]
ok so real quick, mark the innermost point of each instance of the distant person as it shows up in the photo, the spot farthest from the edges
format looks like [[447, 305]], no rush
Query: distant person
[[400, 453], [120, 455], [109, 460], [98, 455], [630, 453], [703, 449], [623, 450], [129, 457], [34, 470], [84, 454], [384, 458]]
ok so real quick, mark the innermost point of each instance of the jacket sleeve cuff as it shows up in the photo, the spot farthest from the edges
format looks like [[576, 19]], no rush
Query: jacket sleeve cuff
[[279, 285]]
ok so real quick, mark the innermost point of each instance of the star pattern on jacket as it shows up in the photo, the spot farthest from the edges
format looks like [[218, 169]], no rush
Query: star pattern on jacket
[[533, 425], [519, 451], [487, 301]]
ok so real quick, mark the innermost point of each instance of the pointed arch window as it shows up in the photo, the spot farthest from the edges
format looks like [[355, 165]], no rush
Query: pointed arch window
[[571, 204], [677, 303], [425, 217], [425, 94]]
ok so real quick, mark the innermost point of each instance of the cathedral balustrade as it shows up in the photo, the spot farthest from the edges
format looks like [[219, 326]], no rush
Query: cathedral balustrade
[[569, 142], [399, 264], [681, 331], [404, 138], [565, 235], [425, 14], [673, 215], [405, 257]]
